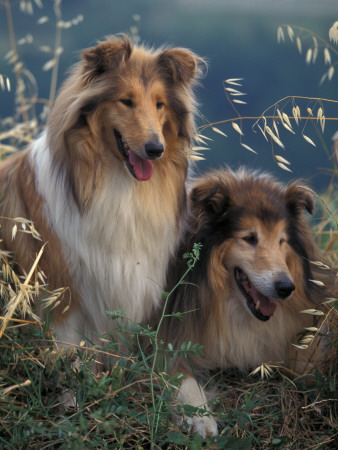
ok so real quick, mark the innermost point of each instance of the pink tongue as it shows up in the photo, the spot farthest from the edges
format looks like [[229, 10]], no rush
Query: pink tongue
[[143, 167], [267, 307]]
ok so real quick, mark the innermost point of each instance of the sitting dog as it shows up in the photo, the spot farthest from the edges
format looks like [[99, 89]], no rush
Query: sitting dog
[[105, 184]]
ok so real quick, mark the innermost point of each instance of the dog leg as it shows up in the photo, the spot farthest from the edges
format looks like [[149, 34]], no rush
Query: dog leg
[[191, 393], [67, 398]]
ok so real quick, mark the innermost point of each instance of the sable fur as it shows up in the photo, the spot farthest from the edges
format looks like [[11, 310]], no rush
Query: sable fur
[[250, 221], [109, 236]]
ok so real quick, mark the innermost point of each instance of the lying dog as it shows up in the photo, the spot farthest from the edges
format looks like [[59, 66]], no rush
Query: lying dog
[[246, 293]]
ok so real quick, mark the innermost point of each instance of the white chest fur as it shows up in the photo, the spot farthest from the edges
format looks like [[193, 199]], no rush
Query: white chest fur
[[118, 249]]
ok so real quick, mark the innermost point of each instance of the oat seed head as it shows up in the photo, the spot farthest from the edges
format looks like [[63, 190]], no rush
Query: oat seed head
[[296, 114], [237, 128], [234, 81], [313, 312], [282, 160], [217, 130], [275, 128], [308, 57], [315, 54], [14, 231], [248, 148], [274, 137], [284, 167], [323, 78], [333, 33], [327, 56], [310, 141], [290, 33], [264, 369], [300, 347], [280, 35], [239, 101], [318, 283], [233, 91], [330, 73], [42, 20], [307, 339]]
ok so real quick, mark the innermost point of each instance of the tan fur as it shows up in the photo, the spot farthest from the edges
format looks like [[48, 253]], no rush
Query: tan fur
[[109, 236], [245, 221], [20, 200]]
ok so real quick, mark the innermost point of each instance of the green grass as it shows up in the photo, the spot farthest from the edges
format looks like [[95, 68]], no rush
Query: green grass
[[129, 405], [119, 408]]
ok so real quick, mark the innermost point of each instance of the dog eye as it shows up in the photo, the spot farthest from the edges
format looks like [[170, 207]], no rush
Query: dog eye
[[251, 239], [159, 105], [127, 102], [282, 240]]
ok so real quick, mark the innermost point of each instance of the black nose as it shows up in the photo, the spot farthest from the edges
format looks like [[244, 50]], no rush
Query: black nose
[[284, 287], [153, 150]]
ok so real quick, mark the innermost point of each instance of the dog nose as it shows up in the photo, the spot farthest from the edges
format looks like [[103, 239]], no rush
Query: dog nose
[[153, 149], [284, 287]]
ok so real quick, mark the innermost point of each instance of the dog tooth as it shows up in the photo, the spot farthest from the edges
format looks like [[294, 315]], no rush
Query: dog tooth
[[257, 306]]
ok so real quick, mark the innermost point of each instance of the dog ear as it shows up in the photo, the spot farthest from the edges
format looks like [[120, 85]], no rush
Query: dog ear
[[297, 198], [106, 56], [180, 64], [209, 199]]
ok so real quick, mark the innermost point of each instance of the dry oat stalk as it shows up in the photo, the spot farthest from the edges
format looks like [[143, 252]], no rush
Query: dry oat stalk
[[265, 370], [23, 296], [8, 390], [317, 42]]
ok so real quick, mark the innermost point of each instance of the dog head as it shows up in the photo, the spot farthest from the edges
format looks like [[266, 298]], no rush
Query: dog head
[[125, 105], [252, 230]]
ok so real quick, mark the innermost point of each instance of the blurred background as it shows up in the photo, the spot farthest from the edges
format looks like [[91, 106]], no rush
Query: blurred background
[[239, 40]]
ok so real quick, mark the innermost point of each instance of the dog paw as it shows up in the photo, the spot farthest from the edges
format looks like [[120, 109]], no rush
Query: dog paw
[[191, 394], [67, 400], [204, 426]]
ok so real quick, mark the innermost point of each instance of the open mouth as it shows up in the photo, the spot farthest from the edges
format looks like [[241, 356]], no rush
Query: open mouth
[[139, 168], [261, 306]]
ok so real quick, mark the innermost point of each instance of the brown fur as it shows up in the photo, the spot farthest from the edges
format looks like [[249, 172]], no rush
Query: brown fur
[[18, 180], [250, 222]]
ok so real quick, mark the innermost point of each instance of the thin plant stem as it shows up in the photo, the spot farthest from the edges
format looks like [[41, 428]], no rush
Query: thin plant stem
[[275, 117], [58, 36], [191, 264], [17, 69], [311, 33]]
